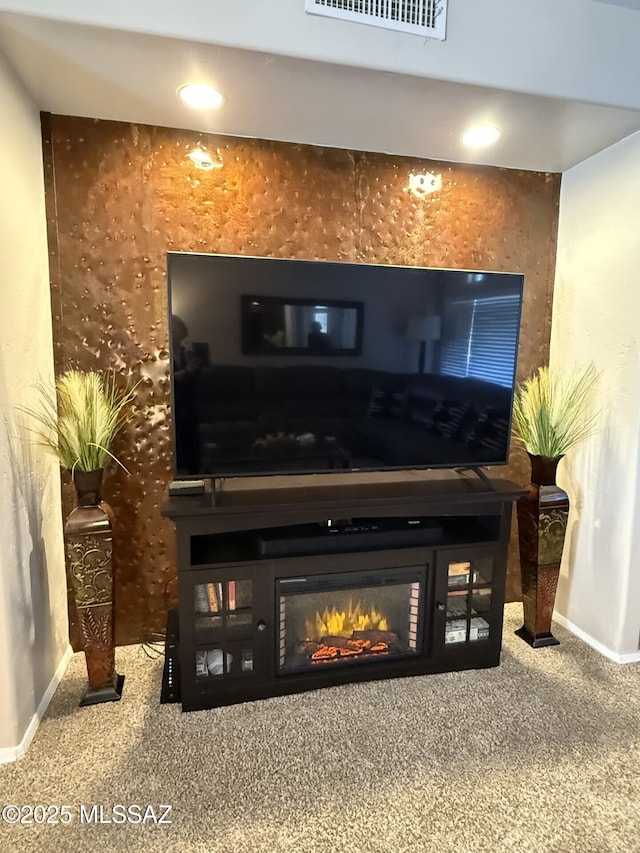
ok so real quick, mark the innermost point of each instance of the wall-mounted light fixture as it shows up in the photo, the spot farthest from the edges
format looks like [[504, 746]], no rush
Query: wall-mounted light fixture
[[423, 184], [201, 158]]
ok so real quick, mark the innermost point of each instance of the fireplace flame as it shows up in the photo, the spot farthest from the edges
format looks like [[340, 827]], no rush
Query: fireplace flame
[[342, 623]]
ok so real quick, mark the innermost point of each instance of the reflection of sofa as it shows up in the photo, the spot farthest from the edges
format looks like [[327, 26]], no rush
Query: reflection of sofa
[[379, 418]]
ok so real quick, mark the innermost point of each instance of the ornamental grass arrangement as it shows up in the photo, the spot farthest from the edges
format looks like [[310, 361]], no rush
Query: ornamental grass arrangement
[[553, 411], [78, 420]]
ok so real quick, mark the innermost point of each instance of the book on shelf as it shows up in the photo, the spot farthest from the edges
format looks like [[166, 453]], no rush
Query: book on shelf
[[456, 631], [201, 599], [459, 573], [231, 595], [209, 597], [213, 598], [201, 664], [478, 629]]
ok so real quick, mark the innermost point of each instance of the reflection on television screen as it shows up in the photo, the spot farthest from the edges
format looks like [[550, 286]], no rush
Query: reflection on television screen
[[293, 326], [285, 366]]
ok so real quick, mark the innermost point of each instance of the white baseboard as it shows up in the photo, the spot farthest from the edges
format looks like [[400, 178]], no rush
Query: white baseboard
[[14, 753], [632, 657]]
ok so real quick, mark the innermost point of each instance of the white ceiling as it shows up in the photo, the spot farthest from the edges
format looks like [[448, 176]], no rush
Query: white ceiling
[[74, 69]]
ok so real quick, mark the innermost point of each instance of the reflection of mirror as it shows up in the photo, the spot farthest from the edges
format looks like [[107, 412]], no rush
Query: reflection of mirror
[[281, 325]]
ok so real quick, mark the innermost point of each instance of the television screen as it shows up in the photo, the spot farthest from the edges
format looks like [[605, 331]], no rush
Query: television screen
[[287, 366]]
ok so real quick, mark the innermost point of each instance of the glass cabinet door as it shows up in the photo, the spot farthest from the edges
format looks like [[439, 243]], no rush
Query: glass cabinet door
[[223, 622], [467, 593]]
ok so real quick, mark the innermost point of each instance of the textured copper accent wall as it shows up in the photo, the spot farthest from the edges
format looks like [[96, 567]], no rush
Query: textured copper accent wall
[[119, 196]]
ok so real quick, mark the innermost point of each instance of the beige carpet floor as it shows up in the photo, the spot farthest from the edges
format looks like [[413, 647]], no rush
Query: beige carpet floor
[[539, 754]]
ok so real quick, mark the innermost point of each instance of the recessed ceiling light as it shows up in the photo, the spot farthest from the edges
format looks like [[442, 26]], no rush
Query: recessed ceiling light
[[481, 135], [201, 96]]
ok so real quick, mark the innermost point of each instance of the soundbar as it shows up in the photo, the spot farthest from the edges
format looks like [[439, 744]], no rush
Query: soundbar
[[359, 535]]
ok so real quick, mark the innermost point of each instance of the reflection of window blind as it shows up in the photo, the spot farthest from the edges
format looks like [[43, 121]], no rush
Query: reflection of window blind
[[480, 337]]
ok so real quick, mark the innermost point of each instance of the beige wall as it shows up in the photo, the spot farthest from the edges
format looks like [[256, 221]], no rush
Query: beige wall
[[33, 611], [596, 314]]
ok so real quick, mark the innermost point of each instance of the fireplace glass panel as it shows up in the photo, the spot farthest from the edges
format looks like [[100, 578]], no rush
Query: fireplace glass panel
[[346, 619]]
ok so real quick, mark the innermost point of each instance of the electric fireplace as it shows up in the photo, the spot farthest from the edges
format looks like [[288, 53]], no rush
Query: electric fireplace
[[349, 618]]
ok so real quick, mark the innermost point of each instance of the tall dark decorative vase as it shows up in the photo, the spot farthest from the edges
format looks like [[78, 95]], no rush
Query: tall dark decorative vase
[[88, 539], [542, 525]]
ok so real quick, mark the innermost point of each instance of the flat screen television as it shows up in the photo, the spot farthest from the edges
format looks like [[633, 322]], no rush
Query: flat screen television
[[292, 366]]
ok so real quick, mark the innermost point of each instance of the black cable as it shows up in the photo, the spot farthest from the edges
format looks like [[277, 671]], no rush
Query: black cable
[[154, 643], [151, 651]]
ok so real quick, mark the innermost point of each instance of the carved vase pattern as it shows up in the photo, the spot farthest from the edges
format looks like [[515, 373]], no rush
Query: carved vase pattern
[[89, 541], [543, 515]]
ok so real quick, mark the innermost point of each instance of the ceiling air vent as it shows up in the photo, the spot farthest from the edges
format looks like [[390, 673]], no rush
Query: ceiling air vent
[[423, 17]]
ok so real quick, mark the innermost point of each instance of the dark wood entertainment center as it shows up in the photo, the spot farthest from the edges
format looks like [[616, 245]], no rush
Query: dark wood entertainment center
[[283, 590]]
